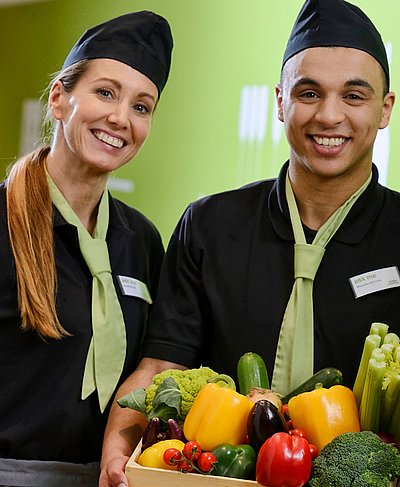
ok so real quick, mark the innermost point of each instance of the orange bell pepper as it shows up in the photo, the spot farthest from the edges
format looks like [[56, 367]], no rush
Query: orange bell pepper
[[218, 415], [325, 413]]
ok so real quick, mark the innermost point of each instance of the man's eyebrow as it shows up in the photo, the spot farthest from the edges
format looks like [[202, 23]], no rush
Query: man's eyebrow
[[359, 82], [306, 81]]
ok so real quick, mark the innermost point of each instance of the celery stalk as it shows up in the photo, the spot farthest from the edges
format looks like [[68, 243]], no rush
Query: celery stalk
[[372, 394], [394, 427], [387, 350], [391, 392], [379, 354], [371, 343], [396, 354], [391, 338], [380, 329]]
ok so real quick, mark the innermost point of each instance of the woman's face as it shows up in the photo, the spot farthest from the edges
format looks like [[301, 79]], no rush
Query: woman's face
[[106, 118]]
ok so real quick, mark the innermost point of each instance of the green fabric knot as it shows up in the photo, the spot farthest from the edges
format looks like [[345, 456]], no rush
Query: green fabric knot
[[95, 253], [307, 259]]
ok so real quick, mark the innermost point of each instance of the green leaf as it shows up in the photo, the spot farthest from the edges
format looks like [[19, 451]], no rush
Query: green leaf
[[168, 396], [164, 413], [135, 399]]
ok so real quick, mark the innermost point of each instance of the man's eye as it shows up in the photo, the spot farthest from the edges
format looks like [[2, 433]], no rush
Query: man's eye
[[308, 94], [353, 96]]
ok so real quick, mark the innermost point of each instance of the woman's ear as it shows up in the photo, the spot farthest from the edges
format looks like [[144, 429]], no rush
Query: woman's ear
[[56, 100]]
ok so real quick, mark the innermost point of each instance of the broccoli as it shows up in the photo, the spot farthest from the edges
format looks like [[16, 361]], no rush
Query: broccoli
[[359, 459], [172, 392]]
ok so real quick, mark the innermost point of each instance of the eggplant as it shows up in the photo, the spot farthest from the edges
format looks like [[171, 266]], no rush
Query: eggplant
[[163, 435], [264, 420], [175, 431], [152, 430]]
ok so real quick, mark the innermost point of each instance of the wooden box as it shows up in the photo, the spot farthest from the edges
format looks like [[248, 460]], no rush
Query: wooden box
[[139, 476]]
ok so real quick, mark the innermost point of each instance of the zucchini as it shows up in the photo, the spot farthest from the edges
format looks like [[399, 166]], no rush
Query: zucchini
[[327, 377], [251, 372]]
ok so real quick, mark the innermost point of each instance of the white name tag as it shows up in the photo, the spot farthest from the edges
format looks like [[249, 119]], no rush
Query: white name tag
[[371, 282], [133, 287]]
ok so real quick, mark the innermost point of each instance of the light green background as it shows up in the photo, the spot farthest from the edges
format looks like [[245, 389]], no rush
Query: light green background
[[220, 46]]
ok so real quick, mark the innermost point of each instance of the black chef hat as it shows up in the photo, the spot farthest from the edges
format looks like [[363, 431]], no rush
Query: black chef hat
[[142, 40], [335, 23]]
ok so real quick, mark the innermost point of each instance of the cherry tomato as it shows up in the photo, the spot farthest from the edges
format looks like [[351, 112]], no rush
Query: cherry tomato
[[298, 432], [172, 456], [184, 466], [191, 450], [313, 451], [206, 461], [285, 409]]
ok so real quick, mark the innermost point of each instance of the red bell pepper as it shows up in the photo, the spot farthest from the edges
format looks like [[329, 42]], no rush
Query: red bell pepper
[[284, 461]]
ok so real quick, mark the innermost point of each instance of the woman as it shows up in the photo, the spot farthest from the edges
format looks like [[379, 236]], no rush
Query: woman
[[79, 268]]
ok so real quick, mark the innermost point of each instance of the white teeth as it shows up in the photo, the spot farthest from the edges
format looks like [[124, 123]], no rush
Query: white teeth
[[118, 143], [329, 141]]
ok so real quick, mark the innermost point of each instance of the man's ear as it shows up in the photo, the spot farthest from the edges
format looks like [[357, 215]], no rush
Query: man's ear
[[387, 108], [279, 101], [56, 100]]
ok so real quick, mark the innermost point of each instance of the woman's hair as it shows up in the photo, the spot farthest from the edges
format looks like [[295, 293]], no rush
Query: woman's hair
[[30, 226]]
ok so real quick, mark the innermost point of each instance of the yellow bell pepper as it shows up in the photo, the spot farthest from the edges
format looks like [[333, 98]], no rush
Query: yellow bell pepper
[[324, 414], [218, 415], [153, 456]]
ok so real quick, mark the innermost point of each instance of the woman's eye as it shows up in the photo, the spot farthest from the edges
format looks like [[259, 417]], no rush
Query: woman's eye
[[139, 107], [104, 93]]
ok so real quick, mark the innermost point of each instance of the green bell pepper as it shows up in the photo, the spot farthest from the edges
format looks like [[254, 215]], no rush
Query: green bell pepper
[[235, 461]]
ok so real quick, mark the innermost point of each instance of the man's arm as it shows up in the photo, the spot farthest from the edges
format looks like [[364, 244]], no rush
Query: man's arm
[[125, 426]]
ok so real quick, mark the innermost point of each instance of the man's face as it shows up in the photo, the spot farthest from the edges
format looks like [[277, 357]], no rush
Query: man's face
[[332, 102]]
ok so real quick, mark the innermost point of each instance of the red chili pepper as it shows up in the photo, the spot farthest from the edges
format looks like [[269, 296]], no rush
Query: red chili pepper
[[284, 460]]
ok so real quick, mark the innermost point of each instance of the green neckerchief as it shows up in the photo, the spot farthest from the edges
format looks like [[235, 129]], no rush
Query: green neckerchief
[[294, 360], [107, 349]]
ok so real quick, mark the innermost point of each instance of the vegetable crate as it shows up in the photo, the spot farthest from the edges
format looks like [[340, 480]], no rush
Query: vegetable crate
[[139, 476]]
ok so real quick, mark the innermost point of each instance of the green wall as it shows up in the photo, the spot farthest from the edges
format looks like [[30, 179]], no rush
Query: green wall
[[194, 148]]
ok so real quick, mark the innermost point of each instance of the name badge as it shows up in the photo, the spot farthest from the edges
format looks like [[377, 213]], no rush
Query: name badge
[[371, 282], [133, 287]]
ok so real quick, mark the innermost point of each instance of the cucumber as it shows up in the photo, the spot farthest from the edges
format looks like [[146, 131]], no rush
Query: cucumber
[[327, 377], [251, 372]]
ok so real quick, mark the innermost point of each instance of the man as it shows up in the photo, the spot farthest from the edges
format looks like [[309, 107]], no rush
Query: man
[[240, 274]]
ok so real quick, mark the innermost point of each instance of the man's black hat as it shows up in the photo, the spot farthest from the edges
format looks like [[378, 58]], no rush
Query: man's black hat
[[142, 40], [323, 23]]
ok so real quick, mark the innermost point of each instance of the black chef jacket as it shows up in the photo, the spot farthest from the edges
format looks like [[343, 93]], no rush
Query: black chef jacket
[[228, 275], [41, 414]]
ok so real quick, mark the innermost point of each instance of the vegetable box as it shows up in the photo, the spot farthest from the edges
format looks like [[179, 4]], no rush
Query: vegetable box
[[139, 476]]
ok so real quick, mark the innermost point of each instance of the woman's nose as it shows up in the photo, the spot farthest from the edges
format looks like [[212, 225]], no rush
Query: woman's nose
[[119, 115]]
